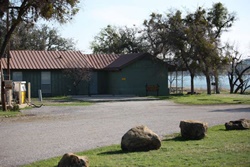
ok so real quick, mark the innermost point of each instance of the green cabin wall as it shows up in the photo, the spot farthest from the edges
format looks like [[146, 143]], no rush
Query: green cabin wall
[[102, 79], [60, 84], [132, 79]]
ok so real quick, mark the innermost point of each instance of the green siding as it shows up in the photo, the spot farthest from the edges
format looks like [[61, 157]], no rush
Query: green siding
[[102, 80], [60, 84], [133, 78]]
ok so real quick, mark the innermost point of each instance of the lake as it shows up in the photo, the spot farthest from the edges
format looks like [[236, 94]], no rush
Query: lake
[[200, 82]]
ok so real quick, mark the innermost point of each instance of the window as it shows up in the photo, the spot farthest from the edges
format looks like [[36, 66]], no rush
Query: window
[[46, 82], [17, 76]]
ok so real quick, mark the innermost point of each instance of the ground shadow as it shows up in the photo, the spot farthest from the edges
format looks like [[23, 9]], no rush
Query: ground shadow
[[247, 109], [120, 152], [113, 152], [177, 138]]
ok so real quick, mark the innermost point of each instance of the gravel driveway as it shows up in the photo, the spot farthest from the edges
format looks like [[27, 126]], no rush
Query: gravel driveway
[[53, 131]]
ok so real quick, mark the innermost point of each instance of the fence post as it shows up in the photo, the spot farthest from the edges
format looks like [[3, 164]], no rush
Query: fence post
[[40, 95], [29, 92]]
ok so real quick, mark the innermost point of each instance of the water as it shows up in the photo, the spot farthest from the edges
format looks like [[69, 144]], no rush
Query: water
[[200, 82]]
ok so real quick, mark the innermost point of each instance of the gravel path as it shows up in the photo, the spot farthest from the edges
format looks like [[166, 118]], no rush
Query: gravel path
[[53, 131]]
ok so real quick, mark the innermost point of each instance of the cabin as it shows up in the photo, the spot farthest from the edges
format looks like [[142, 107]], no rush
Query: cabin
[[58, 73]]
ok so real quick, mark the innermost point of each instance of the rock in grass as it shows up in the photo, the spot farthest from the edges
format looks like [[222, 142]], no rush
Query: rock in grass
[[72, 160], [240, 124], [193, 130], [140, 138]]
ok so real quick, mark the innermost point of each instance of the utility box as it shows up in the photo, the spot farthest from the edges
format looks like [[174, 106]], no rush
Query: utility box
[[20, 91]]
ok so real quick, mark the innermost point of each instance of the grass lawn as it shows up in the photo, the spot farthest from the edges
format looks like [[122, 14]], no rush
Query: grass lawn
[[204, 99], [219, 148]]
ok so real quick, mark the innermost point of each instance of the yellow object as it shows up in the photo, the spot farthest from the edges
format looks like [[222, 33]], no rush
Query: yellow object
[[23, 97]]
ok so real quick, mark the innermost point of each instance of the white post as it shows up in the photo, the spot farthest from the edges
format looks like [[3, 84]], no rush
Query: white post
[[29, 92], [40, 95]]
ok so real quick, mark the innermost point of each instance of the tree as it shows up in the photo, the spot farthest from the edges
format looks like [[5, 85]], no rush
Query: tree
[[32, 37], [205, 29], [156, 35], [238, 70], [117, 40], [77, 73], [181, 46], [194, 39], [30, 11], [220, 20], [55, 42]]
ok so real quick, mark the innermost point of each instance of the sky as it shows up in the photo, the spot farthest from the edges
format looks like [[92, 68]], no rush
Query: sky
[[94, 15]]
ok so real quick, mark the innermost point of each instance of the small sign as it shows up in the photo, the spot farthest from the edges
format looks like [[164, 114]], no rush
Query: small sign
[[123, 79], [8, 84]]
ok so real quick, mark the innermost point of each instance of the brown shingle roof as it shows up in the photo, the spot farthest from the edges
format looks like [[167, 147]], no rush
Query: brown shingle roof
[[42, 60]]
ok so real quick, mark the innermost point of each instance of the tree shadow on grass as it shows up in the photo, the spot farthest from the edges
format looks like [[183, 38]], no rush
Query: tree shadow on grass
[[113, 152], [177, 138], [120, 152], [174, 137]]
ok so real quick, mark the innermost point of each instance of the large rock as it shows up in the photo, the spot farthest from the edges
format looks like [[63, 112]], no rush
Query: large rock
[[240, 124], [193, 130], [140, 138], [72, 160]]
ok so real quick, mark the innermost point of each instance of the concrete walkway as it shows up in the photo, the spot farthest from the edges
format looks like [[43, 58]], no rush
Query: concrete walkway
[[112, 98]]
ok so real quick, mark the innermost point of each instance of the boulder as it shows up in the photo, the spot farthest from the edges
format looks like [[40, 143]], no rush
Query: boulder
[[72, 160], [193, 130], [240, 124], [140, 138]]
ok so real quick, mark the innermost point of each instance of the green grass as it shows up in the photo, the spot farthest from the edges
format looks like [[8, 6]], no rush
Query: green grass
[[219, 148], [204, 99]]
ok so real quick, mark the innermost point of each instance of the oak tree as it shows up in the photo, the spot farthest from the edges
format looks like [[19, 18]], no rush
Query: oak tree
[[30, 11], [118, 40]]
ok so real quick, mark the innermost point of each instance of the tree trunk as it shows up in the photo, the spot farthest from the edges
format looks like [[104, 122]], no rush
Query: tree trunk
[[192, 83], [231, 84], [216, 79], [3, 97], [208, 80]]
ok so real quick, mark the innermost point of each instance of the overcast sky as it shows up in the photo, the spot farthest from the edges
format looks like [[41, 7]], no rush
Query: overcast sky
[[97, 14]]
